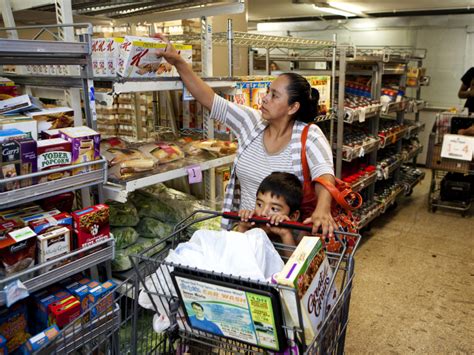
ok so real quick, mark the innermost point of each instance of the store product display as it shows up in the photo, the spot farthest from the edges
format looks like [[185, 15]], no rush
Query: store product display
[[356, 173], [357, 143], [358, 108], [390, 131]]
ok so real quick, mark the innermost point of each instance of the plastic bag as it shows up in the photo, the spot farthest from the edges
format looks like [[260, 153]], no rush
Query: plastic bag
[[219, 251], [153, 228], [124, 236], [123, 214]]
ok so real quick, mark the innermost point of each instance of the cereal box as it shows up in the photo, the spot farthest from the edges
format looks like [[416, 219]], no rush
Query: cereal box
[[41, 310], [23, 123], [10, 164], [39, 340], [242, 93], [138, 55], [309, 272], [91, 225], [17, 251], [102, 297], [82, 294], [28, 159], [53, 153], [186, 52], [14, 325], [112, 46], [99, 61], [85, 145], [50, 223], [53, 244], [258, 92]]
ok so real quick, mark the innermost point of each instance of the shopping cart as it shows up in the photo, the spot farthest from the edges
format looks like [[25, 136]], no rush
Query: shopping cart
[[160, 283], [446, 123]]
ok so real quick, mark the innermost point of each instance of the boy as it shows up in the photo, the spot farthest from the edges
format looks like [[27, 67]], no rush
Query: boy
[[279, 198]]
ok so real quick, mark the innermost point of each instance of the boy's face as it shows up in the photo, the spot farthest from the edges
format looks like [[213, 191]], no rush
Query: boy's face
[[268, 204]]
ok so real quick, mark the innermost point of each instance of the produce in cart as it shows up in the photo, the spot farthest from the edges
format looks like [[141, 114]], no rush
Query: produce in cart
[[124, 236]]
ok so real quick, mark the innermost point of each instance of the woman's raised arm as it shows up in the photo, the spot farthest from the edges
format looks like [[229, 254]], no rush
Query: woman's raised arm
[[202, 92]]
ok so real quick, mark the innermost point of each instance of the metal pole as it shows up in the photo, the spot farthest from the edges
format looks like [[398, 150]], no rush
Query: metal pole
[[333, 89], [8, 19], [230, 45], [267, 61], [251, 59], [340, 111]]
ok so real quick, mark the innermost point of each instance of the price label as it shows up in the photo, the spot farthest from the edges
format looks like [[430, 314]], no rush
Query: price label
[[362, 113], [187, 95], [194, 174], [457, 147]]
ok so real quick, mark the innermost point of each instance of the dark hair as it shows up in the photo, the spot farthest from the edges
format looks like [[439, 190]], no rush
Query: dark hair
[[284, 185], [197, 304], [299, 90]]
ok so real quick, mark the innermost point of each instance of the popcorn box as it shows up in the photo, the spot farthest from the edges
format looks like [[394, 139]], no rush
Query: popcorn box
[[53, 153], [54, 244], [85, 146], [309, 272], [91, 225], [138, 55]]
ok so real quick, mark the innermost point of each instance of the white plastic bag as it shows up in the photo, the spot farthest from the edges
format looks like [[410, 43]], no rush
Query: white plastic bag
[[250, 255]]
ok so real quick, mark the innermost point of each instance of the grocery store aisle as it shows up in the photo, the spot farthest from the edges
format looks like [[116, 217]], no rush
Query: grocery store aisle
[[414, 282]]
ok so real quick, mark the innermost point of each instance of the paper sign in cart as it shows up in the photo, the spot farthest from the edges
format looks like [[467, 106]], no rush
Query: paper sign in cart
[[457, 147]]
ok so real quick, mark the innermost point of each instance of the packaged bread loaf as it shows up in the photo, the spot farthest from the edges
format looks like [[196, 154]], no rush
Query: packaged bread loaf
[[162, 152]]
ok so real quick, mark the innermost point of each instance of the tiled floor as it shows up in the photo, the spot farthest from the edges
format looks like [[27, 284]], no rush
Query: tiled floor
[[413, 291]]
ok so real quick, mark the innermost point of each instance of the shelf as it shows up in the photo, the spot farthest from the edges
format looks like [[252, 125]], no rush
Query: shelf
[[414, 106], [413, 153], [357, 115], [367, 219], [57, 81], [392, 138], [363, 183], [55, 187], [126, 85], [350, 153], [394, 106], [384, 173], [25, 52], [387, 202], [118, 191], [34, 280], [414, 129]]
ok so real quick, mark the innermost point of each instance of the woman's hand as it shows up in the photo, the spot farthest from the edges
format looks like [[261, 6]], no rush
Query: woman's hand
[[171, 55], [322, 217]]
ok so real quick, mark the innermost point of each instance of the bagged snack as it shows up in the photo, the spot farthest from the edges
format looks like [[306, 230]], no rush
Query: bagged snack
[[126, 163], [116, 156], [153, 228], [150, 206], [123, 214], [162, 153], [217, 147], [122, 261], [124, 236]]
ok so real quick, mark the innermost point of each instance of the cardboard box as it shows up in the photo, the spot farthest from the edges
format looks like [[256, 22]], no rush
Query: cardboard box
[[17, 251], [53, 244], [31, 217], [22, 123], [6, 226], [64, 311], [50, 223], [309, 272], [99, 48], [258, 92], [14, 325], [53, 153], [101, 296], [10, 163], [111, 56], [82, 294], [242, 94], [50, 134], [28, 160], [52, 118], [85, 146], [12, 133], [91, 225], [37, 341]]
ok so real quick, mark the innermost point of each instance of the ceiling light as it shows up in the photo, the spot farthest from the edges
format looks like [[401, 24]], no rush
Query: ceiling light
[[330, 10], [346, 7]]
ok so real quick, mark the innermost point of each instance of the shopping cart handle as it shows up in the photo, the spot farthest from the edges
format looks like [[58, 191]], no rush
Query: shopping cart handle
[[263, 220]]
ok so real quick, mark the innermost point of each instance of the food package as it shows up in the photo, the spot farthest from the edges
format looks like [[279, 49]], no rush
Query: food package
[[23, 123], [14, 325], [41, 301], [91, 225], [85, 146], [54, 244], [64, 311], [99, 61], [124, 236], [53, 118], [53, 153], [81, 292], [186, 52], [3, 345], [63, 202], [30, 217], [50, 134], [217, 146], [242, 94], [122, 261], [112, 142], [37, 341], [116, 156], [126, 163], [49, 223], [258, 92], [101, 297], [17, 251], [10, 164], [28, 159], [153, 228], [12, 133], [309, 272], [123, 214], [150, 206], [162, 153], [323, 85], [6, 226]]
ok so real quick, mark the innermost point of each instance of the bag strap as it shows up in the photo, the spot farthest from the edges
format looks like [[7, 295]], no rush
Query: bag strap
[[342, 193]]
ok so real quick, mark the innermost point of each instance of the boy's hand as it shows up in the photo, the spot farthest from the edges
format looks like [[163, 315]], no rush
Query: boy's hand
[[284, 233], [245, 225]]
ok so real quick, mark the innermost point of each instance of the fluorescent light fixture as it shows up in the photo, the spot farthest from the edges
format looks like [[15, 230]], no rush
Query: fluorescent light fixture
[[332, 11], [346, 7]]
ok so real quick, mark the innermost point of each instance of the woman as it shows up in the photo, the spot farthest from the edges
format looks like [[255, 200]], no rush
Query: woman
[[270, 139]]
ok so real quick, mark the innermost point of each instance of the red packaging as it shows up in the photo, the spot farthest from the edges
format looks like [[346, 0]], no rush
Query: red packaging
[[91, 225], [65, 311], [62, 202]]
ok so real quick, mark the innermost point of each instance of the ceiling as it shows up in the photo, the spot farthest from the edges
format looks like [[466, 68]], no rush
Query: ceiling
[[268, 10]]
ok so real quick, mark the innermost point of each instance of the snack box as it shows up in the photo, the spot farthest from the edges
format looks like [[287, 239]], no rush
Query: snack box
[[91, 225], [6, 226], [53, 153], [28, 159], [14, 325], [138, 58], [53, 244], [186, 51], [242, 93], [22, 123], [37, 341], [85, 145], [41, 314], [26, 207], [10, 164], [106, 300], [17, 251], [3, 345], [50, 134], [49, 223], [64, 311], [12, 133], [82, 294], [309, 272], [52, 118], [31, 217]]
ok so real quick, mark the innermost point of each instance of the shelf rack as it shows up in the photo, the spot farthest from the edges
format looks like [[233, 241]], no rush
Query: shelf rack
[[365, 182]]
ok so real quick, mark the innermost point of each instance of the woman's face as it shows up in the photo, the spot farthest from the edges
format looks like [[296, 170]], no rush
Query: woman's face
[[275, 103]]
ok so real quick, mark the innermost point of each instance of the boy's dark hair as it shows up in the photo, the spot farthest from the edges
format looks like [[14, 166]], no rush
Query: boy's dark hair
[[284, 185]]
